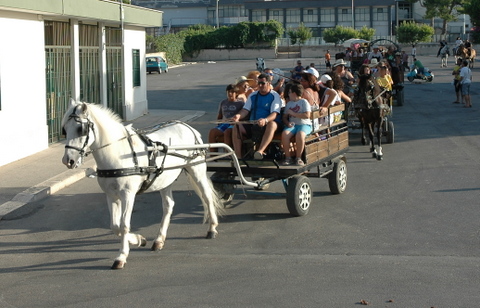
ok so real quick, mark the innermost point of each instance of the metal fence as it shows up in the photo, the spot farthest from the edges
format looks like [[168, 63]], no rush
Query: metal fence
[[58, 75]]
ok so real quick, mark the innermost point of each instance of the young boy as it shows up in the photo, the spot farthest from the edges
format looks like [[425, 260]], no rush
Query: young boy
[[296, 119], [227, 109]]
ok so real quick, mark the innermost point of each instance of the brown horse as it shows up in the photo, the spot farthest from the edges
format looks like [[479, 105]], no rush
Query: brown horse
[[468, 54]]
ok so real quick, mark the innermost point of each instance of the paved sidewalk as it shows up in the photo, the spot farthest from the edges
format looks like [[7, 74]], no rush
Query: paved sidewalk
[[42, 174]]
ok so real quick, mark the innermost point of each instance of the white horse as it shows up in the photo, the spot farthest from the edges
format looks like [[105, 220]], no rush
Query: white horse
[[444, 53], [126, 166]]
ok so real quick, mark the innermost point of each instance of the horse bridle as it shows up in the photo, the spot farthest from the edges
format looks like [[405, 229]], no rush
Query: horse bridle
[[85, 131]]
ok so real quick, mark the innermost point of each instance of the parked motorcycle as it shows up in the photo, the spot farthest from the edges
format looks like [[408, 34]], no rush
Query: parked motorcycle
[[413, 74]]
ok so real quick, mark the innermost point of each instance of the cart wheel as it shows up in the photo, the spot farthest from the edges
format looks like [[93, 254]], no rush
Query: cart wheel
[[224, 190], [390, 132], [299, 195], [337, 180], [430, 78]]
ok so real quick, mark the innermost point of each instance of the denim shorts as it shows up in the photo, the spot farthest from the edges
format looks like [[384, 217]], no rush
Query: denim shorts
[[306, 128], [465, 89], [223, 127]]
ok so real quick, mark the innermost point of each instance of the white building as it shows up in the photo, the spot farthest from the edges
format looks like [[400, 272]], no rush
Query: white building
[[54, 50], [381, 15]]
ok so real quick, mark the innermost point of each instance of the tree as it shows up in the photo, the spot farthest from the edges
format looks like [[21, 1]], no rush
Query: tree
[[300, 35], [412, 33], [339, 34], [444, 9], [472, 8], [366, 33]]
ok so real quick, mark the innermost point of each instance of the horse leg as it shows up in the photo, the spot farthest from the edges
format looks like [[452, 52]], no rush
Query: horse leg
[[378, 148], [121, 213], [371, 128], [212, 205], [167, 205], [362, 125]]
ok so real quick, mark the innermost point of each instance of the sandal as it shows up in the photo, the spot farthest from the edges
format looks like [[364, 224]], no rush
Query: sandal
[[258, 155], [299, 162], [288, 161]]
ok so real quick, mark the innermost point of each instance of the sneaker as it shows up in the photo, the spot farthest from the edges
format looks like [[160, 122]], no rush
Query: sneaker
[[299, 162], [257, 155], [287, 161]]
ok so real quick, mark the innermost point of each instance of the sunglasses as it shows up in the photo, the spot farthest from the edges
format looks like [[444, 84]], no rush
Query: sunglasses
[[261, 83], [382, 67]]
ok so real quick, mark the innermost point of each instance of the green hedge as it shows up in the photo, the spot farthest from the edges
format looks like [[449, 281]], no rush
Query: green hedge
[[198, 37]]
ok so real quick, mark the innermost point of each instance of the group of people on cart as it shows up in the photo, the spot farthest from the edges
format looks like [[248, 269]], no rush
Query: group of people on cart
[[261, 105]]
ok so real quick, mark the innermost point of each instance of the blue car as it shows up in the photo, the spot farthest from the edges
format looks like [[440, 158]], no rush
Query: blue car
[[156, 64]]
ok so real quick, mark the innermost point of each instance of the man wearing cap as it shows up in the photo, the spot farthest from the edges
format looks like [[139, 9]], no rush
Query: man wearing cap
[[263, 106], [297, 70], [375, 54]]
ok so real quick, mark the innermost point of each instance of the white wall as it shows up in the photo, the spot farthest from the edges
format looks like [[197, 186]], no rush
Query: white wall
[[23, 124], [136, 103]]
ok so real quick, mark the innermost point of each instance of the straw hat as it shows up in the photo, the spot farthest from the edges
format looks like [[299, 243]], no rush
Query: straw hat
[[373, 62], [242, 79], [339, 62]]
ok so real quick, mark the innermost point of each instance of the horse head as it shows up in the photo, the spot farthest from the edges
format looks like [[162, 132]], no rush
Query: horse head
[[79, 132]]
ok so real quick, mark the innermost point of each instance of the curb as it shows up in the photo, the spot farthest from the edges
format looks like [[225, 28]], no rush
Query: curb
[[47, 188]]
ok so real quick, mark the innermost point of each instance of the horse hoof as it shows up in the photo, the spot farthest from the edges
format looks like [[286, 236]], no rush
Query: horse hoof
[[364, 142], [379, 157], [118, 264], [211, 234], [143, 242], [374, 155], [157, 246]]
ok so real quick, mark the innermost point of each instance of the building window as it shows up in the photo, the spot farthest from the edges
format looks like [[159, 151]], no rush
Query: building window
[[345, 15], [136, 67], [293, 15], [362, 14], [310, 15], [380, 13], [404, 10], [277, 15], [327, 15], [259, 15]]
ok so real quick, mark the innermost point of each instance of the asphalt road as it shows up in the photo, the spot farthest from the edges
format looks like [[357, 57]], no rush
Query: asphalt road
[[404, 234]]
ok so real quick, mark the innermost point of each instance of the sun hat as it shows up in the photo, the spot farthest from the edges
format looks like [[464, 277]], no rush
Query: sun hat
[[325, 78], [242, 79], [339, 62], [373, 62]]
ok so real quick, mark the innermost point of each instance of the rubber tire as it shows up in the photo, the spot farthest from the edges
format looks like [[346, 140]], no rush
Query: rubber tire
[[410, 78], [299, 195], [391, 132], [337, 180], [430, 78]]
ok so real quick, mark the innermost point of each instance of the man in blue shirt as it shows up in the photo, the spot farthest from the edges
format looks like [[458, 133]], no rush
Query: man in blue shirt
[[263, 106]]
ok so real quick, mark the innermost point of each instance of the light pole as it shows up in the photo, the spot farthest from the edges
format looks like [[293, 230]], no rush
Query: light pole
[[216, 14], [353, 15]]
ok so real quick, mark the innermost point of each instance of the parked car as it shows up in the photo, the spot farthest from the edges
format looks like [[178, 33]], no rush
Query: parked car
[[156, 64]]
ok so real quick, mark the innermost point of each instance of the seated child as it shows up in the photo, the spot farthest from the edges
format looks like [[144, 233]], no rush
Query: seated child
[[296, 119], [227, 109]]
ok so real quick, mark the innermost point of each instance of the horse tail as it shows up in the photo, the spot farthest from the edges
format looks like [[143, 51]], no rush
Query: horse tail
[[195, 182]]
